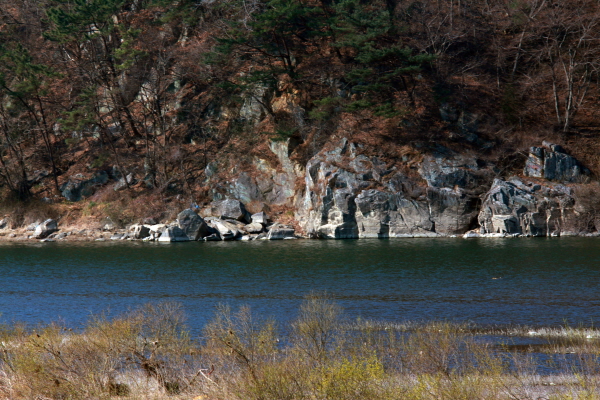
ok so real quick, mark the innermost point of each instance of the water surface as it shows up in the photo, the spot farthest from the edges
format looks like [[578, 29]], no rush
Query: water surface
[[537, 282]]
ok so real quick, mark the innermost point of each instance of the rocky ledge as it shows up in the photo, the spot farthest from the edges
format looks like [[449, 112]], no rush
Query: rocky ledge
[[343, 193]]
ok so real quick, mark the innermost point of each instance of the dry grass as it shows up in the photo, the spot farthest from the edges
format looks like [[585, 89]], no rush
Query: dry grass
[[147, 354]]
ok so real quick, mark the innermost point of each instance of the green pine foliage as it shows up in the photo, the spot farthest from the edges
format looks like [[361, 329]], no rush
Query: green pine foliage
[[82, 19]]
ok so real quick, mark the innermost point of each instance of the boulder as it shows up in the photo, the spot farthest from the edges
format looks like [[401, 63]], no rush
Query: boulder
[[213, 237], [526, 208], [226, 230], [230, 209], [260, 218], [44, 229], [553, 163], [109, 225], [472, 234], [138, 231], [192, 224], [124, 182], [254, 227], [173, 234], [280, 232]]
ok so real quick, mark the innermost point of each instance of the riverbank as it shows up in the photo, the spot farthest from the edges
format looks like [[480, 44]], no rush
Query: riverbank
[[148, 353]]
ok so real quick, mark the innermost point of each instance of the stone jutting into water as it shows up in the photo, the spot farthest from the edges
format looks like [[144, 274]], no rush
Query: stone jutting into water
[[173, 234], [192, 225], [349, 195], [527, 208]]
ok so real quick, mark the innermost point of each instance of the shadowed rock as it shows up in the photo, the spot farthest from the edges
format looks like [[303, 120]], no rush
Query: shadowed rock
[[192, 225]]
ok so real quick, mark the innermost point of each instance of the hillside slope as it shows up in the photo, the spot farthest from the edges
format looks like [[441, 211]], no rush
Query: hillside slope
[[344, 118]]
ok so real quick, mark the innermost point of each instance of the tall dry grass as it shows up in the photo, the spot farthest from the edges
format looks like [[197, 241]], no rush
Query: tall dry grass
[[148, 354]]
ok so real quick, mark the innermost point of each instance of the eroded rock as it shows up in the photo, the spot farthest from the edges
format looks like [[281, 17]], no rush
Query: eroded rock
[[340, 202], [520, 207]]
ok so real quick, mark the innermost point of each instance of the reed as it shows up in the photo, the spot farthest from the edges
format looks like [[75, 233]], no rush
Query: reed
[[148, 354]]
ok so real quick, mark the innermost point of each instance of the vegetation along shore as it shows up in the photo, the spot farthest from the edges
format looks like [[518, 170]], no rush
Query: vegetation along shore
[[148, 354]]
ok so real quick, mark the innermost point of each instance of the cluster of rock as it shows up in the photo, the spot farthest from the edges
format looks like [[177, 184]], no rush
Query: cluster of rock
[[519, 207], [534, 207], [224, 220]]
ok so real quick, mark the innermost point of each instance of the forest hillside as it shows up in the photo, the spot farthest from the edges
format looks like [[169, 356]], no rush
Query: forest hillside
[[340, 118]]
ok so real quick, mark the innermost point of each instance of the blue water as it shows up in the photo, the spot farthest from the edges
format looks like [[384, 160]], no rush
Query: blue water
[[536, 282]]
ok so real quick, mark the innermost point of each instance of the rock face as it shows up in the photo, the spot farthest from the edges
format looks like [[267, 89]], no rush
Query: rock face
[[349, 195], [271, 182], [77, 187], [192, 225], [527, 208], [46, 228], [551, 162]]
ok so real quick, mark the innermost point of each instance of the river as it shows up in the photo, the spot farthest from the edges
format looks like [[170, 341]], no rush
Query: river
[[489, 282]]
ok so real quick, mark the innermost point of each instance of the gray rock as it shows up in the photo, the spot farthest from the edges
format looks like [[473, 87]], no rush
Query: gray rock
[[230, 209], [32, 227], [513, 207], [280, 232], [260, 218], [472, 234], [109, 225], [269, 182], [173, 234], [76, 187], [192, 224], [552, 163], [124, 182], [157, 230], [3, 223], [227, 230], [339, 201], [44, 229], [213, 237], [254, 227], [61, 235], [138, 231]]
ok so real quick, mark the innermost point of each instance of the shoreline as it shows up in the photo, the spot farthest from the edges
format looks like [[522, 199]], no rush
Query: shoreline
[[83, 233]]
